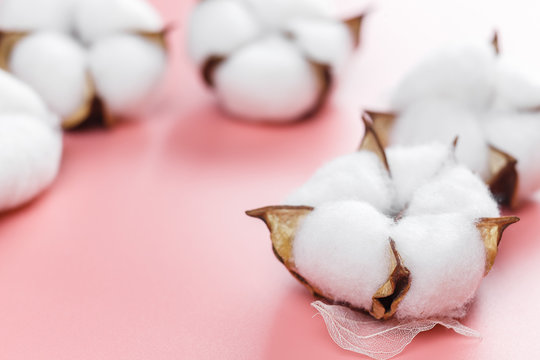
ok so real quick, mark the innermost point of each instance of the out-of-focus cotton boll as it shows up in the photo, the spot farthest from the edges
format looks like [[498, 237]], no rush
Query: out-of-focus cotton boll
[[95, 19], [514, 92], [454, 190], [31, 15], [55, 66], [342, 248], [268, 80], [519, 135], [276, 14], [30, 152], [443, 121], [412, 167], [219, 27], [446, 256], [462, 75], [359, 176], [323, 41], [125, 68]]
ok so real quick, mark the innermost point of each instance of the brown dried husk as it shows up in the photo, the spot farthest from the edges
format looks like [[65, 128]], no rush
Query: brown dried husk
[[93, 111]]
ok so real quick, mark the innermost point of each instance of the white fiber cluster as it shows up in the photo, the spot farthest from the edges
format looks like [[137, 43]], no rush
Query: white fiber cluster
[[469, 92], [426, 202], [76, 45], [271, 53], [30, 143]]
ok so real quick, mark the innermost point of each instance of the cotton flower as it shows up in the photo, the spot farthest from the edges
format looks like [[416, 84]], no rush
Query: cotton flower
[[270, 60], [410, 236], [87, 58], [469, 92], [30, 143]]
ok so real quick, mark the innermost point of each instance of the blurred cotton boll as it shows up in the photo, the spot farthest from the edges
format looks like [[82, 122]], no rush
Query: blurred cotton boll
[[30, 144], [271, 61], [106, 57]]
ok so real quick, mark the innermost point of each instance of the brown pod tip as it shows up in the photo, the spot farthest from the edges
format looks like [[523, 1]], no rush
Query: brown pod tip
[[491, 231], [504, 179], [209, 67], [355, 27], [386, 300], [382, 122], [371, 141]]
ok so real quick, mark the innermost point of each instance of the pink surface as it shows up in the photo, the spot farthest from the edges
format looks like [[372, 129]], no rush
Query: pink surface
[[141, 249]]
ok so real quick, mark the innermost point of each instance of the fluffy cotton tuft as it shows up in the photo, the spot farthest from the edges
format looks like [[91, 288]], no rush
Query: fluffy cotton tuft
[[95, 19], [428, 204], [25, 15], [268, 80], [343, 249], [60, 77], [268, 60], [445, 255], [119, 80], [359, 176], [472, 93]]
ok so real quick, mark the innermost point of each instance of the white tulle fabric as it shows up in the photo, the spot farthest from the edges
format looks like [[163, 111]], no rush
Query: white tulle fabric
[[360, 333]]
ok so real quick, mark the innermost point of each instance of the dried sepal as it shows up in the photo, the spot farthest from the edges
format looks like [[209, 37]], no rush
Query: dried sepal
[[495, 43], [382, 123], [371, 141], [209, 67], [355, 27], [158, 37], [8, 41], [491, 230], [391, 293], [504, 179]]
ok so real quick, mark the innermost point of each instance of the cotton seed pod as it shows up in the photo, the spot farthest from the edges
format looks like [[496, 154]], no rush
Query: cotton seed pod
[[30, 143], [418, 258], [271, 61], [93, 71], [469, 93]]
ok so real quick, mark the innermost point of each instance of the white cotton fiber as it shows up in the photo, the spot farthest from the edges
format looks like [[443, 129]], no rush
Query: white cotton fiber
[[343, 249], [218, 27], [519, 135], [268, 80], [514, 92], [323, 41], [276, 14], [17, 97], [30, 152], [26, 15], [446, 257], [95, 19], [359, 176], [443, 121], [454, 190], [462, 75], [411, 167], [55, 66], [125, 69]]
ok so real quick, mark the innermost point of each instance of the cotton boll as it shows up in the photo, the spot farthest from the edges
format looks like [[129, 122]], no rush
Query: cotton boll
[[26, 15], [268, 80], [97, 18], [343, 249], [454, 190], [411, 167], [276, 14], [30, 152], [60, 77], [323, 41], [519, 135], [17, 97], [125, 69], [463, 75], [359, 176], [446, 257], [442, 121], [217, 27]]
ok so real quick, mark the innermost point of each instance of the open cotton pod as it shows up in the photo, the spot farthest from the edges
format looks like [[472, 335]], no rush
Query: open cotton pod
[[30, 143], [104, 60], [405, 233], [469, 92], [271, 61]]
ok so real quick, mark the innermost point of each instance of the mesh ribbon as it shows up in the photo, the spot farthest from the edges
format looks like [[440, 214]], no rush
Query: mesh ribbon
[[378, 339]]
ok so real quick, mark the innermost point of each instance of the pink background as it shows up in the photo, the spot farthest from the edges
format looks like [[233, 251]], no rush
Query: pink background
[[141, 249]]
